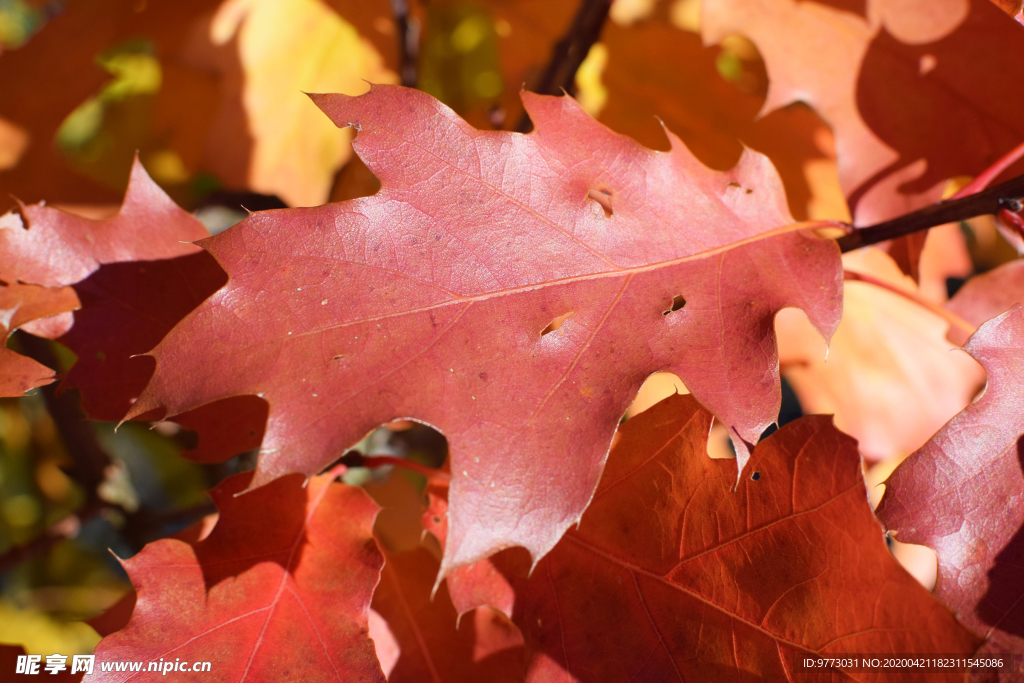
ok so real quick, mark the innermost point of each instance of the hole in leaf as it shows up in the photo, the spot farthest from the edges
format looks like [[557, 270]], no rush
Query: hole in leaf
[[604, 198], [677, 303], [556, 323], [755, 476], [738, 186]]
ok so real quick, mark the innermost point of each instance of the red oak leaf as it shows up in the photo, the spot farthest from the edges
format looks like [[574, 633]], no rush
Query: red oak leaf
[[124, 311], [437, 299], [56, 248], [962, 494], [914, 91], [21, 306], [698, 581], [279, 590]]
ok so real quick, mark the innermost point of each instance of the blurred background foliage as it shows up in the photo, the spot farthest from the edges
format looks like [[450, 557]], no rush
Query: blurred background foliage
[[210, 93]]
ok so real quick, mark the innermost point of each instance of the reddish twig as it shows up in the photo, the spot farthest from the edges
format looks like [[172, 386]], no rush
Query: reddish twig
[[357, 459], [1007, 196]]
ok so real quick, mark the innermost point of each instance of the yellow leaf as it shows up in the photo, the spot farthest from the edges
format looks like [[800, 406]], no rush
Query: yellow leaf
[[272, 52]]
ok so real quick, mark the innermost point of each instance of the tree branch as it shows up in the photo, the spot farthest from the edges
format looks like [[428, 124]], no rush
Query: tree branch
[[570, 52], [407, 34], [1007, 196], [89, 459]]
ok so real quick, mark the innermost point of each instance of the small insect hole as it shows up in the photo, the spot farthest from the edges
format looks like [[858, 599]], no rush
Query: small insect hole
[[604, 198], [755, 476], [556, 323], [749, 190], [677, 303]]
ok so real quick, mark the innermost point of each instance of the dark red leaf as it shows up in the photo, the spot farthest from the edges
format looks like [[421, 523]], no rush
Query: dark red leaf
[[672, 575], [56, 248], [127, 308]]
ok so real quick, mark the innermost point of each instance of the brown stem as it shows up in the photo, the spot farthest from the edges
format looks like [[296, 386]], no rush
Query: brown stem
[[408, 35], [570, 52], [1008, 195]]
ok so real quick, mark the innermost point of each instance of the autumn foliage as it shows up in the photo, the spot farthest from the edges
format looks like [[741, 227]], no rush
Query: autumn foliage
[[492, 383]]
